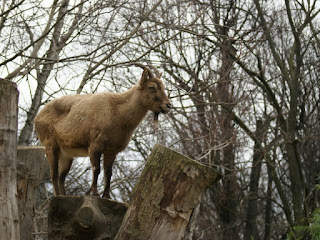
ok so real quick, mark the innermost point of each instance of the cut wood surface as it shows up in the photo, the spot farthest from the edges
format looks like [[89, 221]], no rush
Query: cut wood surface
[[9, 225], [169, 189], [84, 218]]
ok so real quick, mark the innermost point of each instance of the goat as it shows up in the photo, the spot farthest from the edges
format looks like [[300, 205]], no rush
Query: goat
[[97, 124]]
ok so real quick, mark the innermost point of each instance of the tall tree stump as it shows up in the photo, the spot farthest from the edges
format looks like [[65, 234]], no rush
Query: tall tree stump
[[31, 169], [84, 217], [9, 225], [169, 189]]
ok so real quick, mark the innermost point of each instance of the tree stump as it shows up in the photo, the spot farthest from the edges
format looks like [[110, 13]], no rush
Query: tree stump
[[84, 217], [9, 226], [31, 169], [169, 189]]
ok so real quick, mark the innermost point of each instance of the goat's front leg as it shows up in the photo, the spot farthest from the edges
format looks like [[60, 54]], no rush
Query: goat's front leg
[[107, 165], [95, 164]]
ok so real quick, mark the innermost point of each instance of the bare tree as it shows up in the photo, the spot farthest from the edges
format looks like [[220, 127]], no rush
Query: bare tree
[[242, 76], [262, 74]]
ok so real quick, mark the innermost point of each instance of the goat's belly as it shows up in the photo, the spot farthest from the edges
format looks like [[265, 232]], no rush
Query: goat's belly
[[75, 152]]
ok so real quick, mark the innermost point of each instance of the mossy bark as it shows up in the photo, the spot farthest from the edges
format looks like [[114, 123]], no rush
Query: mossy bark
[[169, 189]]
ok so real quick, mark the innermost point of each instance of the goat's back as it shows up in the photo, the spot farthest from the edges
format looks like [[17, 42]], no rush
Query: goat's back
[[72, 120], [105, 121], [53, 112]]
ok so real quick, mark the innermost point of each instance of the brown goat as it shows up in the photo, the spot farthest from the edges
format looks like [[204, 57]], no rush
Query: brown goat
[[96, 124]]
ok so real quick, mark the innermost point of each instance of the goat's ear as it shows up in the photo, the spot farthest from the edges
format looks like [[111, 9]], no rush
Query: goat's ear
[[144, 78]]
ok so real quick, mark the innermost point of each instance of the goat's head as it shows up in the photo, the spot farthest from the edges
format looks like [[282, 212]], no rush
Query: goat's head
[[153, 92]]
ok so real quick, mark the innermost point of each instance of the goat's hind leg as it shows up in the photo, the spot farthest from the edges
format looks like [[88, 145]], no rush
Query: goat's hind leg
[[64, 167], [95, 164], [53, 158]]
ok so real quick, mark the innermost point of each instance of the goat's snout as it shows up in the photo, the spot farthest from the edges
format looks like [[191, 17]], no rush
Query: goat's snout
[[165, 108]]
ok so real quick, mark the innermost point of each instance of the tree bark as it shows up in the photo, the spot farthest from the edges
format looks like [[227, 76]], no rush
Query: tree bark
[[228, 203], [84, 217], [31, 168], [9, 226], [251, 230], [169, 189], [268, 209]]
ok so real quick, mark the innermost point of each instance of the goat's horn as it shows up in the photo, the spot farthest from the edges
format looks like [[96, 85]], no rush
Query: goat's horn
[[148, 69], [138, 64], [158, 74]]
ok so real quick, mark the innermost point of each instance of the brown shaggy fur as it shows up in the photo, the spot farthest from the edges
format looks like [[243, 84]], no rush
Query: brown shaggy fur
[[94, 125]]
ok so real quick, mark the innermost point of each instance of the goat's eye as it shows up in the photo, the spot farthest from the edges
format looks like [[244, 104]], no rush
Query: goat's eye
[[152, 89]]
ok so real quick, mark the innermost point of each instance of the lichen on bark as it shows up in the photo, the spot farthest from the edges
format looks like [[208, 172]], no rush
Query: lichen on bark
[[168, 190], [150, 208]]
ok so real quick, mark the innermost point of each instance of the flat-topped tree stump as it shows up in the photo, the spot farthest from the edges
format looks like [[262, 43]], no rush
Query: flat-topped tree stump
[[9, 218], [169, 189], [31, 169], [84, 218]]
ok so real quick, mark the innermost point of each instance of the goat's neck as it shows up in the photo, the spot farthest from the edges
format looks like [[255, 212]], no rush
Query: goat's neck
[[132, 108]]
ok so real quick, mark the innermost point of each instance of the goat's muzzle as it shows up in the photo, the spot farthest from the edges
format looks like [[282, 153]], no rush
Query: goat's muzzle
[[164, 109]]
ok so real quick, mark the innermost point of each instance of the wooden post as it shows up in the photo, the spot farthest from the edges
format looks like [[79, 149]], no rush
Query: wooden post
[[31, 168], [169, 189], [84, 217], [9, 225]]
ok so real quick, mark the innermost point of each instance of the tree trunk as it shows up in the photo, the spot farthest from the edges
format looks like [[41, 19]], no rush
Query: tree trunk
[[31, 169], [169, 189], [268, 209], [9, 226], [84, 217], [251, 230], [228, 203]]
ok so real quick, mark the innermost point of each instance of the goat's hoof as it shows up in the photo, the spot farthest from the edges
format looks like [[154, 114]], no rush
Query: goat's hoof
[[106, 196], [90, 193]]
